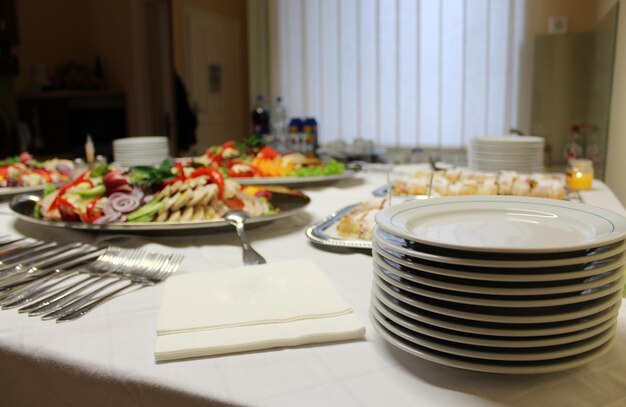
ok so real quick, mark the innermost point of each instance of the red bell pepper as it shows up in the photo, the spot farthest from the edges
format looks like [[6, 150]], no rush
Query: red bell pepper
[[92, 213], [64, 188], [264, 194], [267, 152], [179, 177], [214, 175], [68, 212]]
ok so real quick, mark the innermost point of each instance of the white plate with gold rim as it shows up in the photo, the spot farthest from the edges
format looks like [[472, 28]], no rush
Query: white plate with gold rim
[[503, 224]]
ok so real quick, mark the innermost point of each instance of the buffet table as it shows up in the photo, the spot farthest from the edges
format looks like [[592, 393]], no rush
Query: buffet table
[[107, 357]]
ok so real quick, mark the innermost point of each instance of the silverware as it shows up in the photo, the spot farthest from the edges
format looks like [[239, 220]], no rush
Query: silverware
[[33, 289], [95, 273], [238, 219], [141, 278], [133, 260], [23, 272]]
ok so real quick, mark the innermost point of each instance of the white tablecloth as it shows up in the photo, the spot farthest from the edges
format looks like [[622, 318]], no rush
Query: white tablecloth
[[106, 358]]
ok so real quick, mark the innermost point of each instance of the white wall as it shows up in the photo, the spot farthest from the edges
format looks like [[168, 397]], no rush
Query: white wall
[[616, 155]]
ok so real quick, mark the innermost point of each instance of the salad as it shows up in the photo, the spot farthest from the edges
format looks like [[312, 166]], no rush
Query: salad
[[25, 171], [167, 193], [253, 160]]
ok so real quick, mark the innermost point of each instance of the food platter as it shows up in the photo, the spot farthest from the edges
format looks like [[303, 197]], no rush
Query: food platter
[[382, 191], [324, 233], [322, 179], [290, 202]]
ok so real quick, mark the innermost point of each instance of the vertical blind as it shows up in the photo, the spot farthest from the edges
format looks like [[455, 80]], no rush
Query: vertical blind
[[433, 73]]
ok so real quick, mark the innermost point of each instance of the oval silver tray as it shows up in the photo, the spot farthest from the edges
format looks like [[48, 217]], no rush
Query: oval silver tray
[[288, 201]]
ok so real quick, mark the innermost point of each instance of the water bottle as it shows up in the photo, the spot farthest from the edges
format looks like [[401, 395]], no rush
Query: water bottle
[[278, 125], [260, 118]]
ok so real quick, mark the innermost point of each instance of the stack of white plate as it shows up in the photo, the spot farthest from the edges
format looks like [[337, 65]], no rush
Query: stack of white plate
[[515, 153], [140, 150], [498, 284]]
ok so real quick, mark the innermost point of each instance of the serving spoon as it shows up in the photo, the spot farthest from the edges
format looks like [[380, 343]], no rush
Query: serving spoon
[[237, 219]]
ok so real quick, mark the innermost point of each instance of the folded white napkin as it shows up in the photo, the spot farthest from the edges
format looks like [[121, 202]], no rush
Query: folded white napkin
[[251, 308]]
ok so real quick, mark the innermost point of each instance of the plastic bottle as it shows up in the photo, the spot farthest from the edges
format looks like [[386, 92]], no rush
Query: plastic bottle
[[295, 135], [260, 118], [310, 136], [278, 125], [278, 117]]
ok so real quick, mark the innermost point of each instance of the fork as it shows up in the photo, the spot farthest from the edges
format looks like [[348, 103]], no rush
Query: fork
[[32, 289], [98, 271], [64, 301], [142, 277]]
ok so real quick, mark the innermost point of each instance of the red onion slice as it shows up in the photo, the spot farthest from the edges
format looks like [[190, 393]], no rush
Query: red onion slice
[[124, 203]]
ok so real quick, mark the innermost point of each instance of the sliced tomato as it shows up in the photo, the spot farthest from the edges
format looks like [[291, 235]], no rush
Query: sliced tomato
[[234, 203], [267, 152], [264, 194]]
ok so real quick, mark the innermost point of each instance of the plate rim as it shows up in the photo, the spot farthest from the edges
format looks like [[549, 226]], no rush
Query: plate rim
[[515, 278], [584, 358], [611, 312], [459, 298], [610, 299], [590, 344], [497, 263], [517, 343]]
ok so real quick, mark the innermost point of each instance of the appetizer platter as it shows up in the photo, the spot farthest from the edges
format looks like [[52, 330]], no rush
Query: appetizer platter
[[251, 162], [23, 174], [454, 182], [351, 227], [154, 198]]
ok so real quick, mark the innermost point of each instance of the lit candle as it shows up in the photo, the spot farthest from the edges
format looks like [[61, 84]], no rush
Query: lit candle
[[579, 174]]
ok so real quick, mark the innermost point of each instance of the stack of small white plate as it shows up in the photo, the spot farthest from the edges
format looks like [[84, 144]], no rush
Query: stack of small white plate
[[498, 284], [132, 151], [515, 153]]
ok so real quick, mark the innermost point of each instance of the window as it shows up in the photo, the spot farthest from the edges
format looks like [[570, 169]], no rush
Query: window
[[403, 72]]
